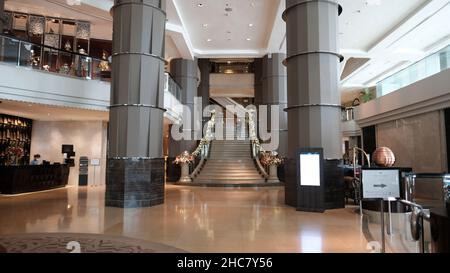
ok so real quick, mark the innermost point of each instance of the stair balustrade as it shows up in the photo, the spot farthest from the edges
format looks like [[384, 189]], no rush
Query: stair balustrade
[[203, 148], [257, 148]]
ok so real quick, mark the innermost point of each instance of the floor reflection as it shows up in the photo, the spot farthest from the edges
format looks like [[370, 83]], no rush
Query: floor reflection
[[193, 219]]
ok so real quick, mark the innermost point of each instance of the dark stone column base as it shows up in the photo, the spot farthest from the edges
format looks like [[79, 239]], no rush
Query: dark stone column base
[[333, 185], [291, 182], [281, 173], [134, 183]]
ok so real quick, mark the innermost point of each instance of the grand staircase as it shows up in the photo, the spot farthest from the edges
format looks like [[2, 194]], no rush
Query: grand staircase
[[230, 162], [230, 159]]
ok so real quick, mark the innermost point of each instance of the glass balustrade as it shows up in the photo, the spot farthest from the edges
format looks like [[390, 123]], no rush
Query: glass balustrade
[[424, 68], [40, 57], [172, 87], [44, 58]]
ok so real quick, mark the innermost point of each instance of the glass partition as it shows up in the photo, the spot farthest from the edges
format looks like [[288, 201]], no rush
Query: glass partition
[[50, 59], [424, 68]]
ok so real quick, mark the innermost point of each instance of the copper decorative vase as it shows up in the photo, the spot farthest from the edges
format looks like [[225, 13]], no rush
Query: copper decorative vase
[[384, 157]]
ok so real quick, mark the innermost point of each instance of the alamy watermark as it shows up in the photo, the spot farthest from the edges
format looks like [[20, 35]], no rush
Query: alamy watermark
[[235, 122]]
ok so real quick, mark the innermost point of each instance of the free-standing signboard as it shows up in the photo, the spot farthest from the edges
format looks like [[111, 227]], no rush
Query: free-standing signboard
[[380, 183], [311, 191]]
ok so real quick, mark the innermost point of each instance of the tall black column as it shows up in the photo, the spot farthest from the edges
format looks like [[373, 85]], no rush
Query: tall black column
[[258, 65], [203, 89], [185, 73], [274, 92], [313, 94], [135, 171]]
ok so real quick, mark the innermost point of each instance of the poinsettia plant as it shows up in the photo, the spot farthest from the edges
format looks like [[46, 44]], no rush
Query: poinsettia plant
[[185, 157], [271, 158]]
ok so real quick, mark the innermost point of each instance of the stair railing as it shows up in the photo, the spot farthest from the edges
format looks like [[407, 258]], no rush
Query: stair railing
[[257, 148], [204, 147]]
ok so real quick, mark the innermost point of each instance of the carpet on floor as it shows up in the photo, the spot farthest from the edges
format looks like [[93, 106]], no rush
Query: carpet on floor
[[79, 243]]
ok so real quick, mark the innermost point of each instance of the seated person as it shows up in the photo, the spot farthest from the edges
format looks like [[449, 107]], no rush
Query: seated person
[[36, 160]]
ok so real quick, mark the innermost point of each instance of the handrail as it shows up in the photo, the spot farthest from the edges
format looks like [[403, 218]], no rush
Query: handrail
[[203, 148], [416, 222], [257, 148], [358, 179]]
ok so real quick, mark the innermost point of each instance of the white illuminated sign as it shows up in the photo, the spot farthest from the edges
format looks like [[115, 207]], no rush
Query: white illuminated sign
[[95, 162], [379, 184], [310, 170]]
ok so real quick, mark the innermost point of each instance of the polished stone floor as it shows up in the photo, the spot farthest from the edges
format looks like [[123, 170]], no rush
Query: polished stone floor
[[192, 219]]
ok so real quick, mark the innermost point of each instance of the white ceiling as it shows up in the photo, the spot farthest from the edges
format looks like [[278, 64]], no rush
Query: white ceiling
[[216, 32], [50, 113], [363, 23]]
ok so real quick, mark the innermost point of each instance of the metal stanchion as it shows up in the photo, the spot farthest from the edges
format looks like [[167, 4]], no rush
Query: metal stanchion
[[383, 239], [389, 230]]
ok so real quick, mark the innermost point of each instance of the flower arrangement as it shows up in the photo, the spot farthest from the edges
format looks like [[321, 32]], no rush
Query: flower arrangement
[[185, 157], [271, 158], [14, 152]]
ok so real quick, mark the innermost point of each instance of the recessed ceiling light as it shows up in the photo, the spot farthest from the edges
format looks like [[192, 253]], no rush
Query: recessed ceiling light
[[205, 25], [209, 40], [248, 39], [250, 25]]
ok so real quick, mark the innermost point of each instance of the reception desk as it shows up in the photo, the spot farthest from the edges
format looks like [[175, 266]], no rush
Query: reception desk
[[24, 179]]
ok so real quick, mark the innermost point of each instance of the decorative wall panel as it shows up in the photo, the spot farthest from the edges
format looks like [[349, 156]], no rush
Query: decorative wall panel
[[51, 40], [37, 25], [83, 30]]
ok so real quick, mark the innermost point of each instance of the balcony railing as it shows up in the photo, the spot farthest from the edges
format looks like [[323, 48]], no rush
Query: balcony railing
[[348, 114], [424, 68], [172, 87], [45, 58]]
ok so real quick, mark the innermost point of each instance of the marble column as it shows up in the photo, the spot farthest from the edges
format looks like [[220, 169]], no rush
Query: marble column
[[135, 168], [313, 95], [185, 73]]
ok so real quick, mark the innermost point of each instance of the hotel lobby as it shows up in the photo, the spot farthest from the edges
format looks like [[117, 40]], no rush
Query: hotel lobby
[[224, 126]]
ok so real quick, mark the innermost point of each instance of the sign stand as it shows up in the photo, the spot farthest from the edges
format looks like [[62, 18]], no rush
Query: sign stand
[[383, 238], [95, 181], [95, 163]]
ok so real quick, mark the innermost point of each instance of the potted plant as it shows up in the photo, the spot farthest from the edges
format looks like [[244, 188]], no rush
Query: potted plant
[[184, 160], [366, 95], [272, 160]]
